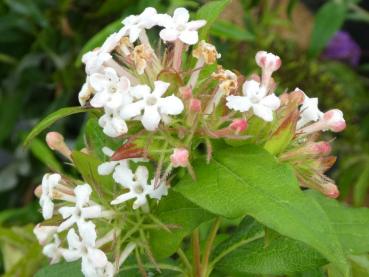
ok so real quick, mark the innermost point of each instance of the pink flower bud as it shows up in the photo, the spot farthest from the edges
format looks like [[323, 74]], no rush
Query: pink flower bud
[[268, 61], [239, 125], [186, 92], [321, 148], [56, 142], [195, 105], [331, 190], [334, 120], [179, 158]]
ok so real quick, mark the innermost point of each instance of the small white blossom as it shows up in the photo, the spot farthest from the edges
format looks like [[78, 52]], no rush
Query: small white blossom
[[135, 24], [53, 250], [139, 189], [84, 247], [44, 233], [94, 60], [81, 211], [179, 27], [155, 107], [309, 111], [113, 125], [49, 182], [111, 90], [255, 97]]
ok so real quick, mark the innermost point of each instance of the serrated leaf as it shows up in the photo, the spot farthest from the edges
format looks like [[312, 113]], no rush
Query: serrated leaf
[[210, 12], [328, 21], [270, 254], [248, 180], [175, 210], [50, 119], [72, 269]]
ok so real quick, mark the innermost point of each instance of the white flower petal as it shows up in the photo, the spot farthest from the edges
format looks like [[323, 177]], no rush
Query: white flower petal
[[238, 103], [189, 37], [181, 16], [263, 112], [82, 193], [271, 101], [91, 212], [132, 110], [171, 105], [151, 118], [123, 198], [97, 257], [169, 34], [47, 208], [98, 81], [99, 99], [195, 24], [67, 211], [87, 231], [66, 224], [106, 168], [71, 255], [123, 175], [160, 88], [142, 175], [73, 240]]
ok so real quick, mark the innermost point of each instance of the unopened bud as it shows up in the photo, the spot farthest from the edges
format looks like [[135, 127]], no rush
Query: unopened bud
[[331, 190], [38, 191], [239, 125], [179, 158], [334, 120], [268, 61], [195, 105], [44, 233], [56, 142], [321, 148], [186, 92]]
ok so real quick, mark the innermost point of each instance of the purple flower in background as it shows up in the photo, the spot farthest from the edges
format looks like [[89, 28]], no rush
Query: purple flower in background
[[343, 47]]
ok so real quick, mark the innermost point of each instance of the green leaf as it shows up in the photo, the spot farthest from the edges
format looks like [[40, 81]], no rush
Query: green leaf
[[328, 21], [175, 210], [271, 254], [350, 224], [227, 30], [98, 39], [210, 12], [45, 155], [248, 180], [361, 186], [50, 119], [72, 269], [96, 139], [87, 167]]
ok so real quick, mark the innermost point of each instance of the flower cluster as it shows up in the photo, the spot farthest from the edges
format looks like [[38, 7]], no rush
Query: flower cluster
[[162, 105]]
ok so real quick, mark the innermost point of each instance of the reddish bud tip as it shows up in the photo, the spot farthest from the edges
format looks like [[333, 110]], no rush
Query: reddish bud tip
[[332, 192], [239, 125], [186, 92], [322, 147], [179, 158], [195, 105]]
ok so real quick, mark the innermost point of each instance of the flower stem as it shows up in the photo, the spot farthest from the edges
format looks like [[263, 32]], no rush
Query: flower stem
[[196, 253], [209, 246], [184, 259], [177, 57]]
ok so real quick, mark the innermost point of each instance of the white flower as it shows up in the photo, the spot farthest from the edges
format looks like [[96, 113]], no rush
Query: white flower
[[111, 42], [44, 233], [49, 182], [94, 60], [179, 27], [84, 248], [53, 250], [81, 211], [154, 106], [139, 189], [113, 125], [86, 92], [134, 24], [111, 90], [255, 97], [309, 111]]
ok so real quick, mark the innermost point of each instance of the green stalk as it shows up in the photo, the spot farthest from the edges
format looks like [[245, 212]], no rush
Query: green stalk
[[209, 246]]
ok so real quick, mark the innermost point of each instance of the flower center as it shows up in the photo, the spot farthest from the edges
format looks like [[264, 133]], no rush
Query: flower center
[[113, 89], [181, 28], [78, 212], [138, 189], [151, 100]]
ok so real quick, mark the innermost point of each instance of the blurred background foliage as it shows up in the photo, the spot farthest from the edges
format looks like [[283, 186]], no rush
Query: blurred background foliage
[[41, 44]]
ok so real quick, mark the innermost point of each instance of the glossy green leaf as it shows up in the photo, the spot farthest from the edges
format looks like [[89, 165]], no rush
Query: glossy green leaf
[[210, 12], [185, 216], [227, 30], [257, 253], [96, 139], [350, 224], [61, 269], [87, 167], [328, 21], [248, 180], [50, 119], [40, 150]]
